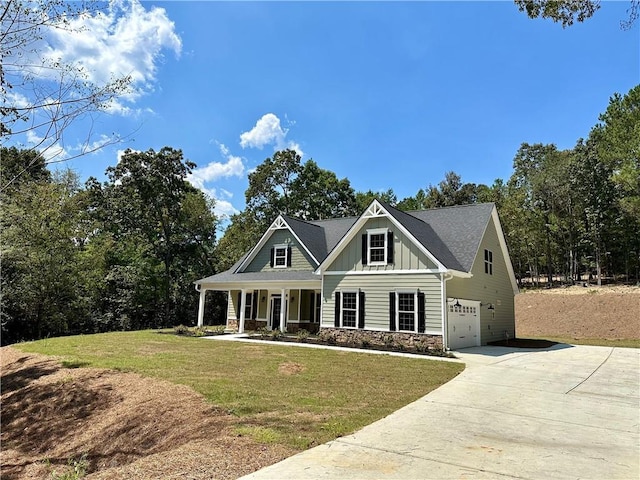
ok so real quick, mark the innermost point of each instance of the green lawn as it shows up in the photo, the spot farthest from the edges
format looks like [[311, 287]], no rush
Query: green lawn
[[281, 394]]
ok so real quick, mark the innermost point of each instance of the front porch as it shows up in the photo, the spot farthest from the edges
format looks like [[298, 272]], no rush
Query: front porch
[[252, 307]]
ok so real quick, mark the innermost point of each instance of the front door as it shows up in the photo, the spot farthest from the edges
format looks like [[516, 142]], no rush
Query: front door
[[276, 307]]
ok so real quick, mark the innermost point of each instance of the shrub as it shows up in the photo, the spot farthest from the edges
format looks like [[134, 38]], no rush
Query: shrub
[[422, 346], [365, 343], [181, 330], [302, 335], [276, 334], [264, 332]]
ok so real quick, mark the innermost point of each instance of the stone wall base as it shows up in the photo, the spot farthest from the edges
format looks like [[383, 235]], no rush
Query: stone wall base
[[388, 339]]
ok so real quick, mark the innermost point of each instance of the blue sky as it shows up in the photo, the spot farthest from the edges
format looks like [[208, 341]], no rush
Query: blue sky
[[387, 94]]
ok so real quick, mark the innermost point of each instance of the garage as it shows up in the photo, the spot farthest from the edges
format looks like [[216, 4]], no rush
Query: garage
[[463, 323]]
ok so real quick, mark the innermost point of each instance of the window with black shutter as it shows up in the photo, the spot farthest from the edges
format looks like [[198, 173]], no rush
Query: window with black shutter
[[377, 247], [349, 309]]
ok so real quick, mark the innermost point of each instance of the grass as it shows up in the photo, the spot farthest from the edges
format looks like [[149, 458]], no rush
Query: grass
[[604, 342], [295, 396]]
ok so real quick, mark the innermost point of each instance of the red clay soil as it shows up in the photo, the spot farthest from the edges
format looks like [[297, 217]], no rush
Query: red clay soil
[[578, 312], [128, 426]]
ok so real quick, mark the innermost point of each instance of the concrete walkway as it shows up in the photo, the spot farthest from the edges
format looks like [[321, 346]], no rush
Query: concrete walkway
[[566, 412]]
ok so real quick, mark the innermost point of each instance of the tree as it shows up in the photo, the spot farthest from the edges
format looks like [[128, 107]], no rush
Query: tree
[[282, 184], [617, 140], [43, 96], [41, 241], [19, 167], [165, 226], [566, 12], [270, 185], [364, 199], [317, 194]]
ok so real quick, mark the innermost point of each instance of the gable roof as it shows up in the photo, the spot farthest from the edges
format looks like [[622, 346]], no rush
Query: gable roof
[[460, 228], [449, 236]]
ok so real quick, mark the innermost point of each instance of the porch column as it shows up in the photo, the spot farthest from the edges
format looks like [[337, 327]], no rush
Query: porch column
[[201, 307], [243, 301], [283, 308]]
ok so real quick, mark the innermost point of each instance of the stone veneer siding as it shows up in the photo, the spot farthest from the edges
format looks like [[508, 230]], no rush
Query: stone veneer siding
[[356, 337]]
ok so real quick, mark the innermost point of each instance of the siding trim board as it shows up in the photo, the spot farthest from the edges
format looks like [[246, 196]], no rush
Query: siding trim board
[[380, 272]]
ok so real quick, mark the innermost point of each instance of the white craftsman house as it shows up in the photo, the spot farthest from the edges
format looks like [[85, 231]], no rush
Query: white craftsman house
[[441, 273]]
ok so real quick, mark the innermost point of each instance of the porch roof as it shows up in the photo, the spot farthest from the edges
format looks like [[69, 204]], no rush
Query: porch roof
[[293, 277]]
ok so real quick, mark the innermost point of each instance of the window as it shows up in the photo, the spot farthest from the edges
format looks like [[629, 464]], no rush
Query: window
[[349, 311], [281, 256], [488, 262], [407, 311], [377, 247], [248, 307]]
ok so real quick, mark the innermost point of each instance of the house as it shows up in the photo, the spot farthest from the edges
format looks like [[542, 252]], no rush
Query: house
[[443, 276]]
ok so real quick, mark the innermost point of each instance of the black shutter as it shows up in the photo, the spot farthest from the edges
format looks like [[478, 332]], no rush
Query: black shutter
[[361, 310], [272, 256], [288, 256], [392, 311], [389, 247], [254, 308], [239, 305], [365, 247], [336, 321], [421, 316]]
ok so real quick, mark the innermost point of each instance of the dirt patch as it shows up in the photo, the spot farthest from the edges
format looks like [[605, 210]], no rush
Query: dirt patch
[[126, 425], [579, 312], [291, 368]]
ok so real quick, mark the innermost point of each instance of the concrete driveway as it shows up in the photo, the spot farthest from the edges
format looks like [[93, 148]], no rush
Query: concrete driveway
[[565, 412]]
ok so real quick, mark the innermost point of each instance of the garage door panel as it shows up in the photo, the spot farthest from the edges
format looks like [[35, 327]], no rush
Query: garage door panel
[[464, 324]]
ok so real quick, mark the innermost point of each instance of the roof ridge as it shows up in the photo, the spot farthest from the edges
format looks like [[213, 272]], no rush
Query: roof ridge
[[466, 205]]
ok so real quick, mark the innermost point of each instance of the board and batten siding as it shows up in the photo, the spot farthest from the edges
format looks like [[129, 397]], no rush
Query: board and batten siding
[[495, 289], [376, 288], [406, 255], [300, 259]]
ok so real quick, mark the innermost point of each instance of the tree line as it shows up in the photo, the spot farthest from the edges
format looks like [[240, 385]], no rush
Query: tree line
[[123, 254]]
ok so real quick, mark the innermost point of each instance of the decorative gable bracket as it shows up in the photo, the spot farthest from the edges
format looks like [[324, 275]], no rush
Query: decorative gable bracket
[[278, 224], [375, 210]]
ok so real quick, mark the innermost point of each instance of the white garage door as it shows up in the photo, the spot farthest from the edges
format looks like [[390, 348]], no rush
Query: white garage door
[[464, 323]]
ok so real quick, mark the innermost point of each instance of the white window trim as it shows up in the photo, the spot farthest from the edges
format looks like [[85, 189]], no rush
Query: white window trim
[[275, 255], [248, 304], [488, 262], [415, 310], [357, 294], [377, 231]]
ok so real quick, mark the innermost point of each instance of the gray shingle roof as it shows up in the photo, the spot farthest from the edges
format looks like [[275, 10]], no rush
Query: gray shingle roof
[[460, 228], [272, 276], [451, 234]]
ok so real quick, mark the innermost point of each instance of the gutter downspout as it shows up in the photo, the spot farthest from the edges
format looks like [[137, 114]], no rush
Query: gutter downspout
[[445, 311]]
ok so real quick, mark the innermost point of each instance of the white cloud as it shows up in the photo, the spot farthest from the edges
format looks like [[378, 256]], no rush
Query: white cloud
[[232, 167], [266, 131], [269, 131], [123, 40]]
